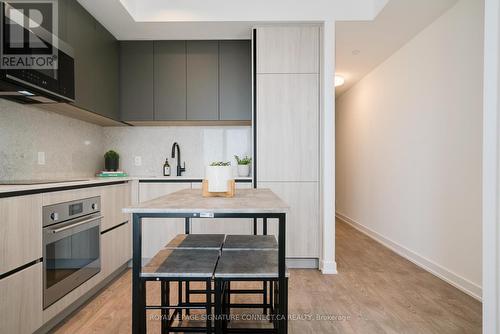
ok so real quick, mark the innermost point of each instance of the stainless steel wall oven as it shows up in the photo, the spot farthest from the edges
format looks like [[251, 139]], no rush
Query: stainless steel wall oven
[[71, 246]]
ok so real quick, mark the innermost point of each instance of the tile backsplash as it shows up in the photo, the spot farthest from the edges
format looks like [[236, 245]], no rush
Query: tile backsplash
[[72, 148], [75, 148], [200, 145]]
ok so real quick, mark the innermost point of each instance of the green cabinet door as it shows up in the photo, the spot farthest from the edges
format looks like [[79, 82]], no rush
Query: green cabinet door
[[136, 81], [202, 80], [169, 80], [106, 83], [235, 80], [81, 36]]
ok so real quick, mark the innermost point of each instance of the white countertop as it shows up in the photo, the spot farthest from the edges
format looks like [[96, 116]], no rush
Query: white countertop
[[192, 201], [84, 181], [180, 178]]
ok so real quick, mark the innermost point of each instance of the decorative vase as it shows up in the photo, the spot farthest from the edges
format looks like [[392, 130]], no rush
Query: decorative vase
[[218, 177], [244, 170], [111, 164]]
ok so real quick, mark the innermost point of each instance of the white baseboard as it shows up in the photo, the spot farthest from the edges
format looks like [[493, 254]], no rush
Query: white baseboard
[[301, 263], [446, 275], [328, 267]]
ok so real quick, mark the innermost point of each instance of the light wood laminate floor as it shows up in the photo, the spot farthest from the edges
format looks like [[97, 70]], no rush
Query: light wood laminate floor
[[376, 291]]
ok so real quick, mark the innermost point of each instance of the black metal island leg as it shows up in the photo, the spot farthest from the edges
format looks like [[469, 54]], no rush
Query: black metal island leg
[[138, 285], [282, 280]]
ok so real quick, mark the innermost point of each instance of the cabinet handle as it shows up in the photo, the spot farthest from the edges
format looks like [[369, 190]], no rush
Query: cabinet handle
[[57, 230]]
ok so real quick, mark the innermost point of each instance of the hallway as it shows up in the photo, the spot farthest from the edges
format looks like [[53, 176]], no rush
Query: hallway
[[376, 291]]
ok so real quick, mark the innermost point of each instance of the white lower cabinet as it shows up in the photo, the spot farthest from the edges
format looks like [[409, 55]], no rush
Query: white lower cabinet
[[302, 223], [21, 301], [157, 232], [226, 225], [116, 248]]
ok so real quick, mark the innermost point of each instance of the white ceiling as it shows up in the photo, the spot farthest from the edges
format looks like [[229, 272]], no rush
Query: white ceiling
[[216, 19], [398, 22]]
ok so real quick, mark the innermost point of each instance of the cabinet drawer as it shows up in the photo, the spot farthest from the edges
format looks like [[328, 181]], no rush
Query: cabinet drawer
[[113, 199], [21, 301], [20, 231], [69, 195], [116, 248]]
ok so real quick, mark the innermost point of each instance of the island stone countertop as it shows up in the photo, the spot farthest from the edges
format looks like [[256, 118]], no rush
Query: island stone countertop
[[191, 200]]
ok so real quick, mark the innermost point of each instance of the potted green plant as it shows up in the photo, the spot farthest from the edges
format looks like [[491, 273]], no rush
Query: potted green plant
[[111, 161], [218, 174], [243, 165]]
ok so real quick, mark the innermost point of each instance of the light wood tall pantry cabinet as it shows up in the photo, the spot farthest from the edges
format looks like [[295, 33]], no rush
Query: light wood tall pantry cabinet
[[288, 126]]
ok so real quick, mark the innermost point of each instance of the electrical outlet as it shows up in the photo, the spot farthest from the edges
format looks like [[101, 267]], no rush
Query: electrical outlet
[[41, 158], [138, 161]]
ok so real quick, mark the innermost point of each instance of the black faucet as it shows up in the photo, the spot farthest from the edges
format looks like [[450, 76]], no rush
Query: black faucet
[[179, 168]]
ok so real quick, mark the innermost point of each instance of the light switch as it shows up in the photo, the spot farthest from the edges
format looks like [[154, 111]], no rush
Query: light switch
[[138, 161], [41, 158]]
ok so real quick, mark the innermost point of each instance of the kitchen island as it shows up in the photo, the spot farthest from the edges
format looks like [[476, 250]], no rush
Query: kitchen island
[[189, 203]]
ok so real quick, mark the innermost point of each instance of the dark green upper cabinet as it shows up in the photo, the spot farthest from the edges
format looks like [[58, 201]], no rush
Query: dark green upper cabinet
[[81, 36], [136, 81], [96, 57], [235, 80], [107, 74], [170, 80], [202, 80], [185, 80]]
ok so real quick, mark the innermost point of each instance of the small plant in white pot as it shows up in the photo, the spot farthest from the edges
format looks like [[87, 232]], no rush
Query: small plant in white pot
[[243, 165], [218, 174]]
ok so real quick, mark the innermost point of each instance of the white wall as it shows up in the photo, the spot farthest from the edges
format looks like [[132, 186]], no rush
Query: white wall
[[408, 148], [491, 169]]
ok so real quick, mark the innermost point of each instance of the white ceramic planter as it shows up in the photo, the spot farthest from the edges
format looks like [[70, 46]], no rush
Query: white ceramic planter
[[243, 170], [218, 177]]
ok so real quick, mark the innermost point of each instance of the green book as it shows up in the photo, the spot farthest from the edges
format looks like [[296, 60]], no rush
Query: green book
[[111, 174]]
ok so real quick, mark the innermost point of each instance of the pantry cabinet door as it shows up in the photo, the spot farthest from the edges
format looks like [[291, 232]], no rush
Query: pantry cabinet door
[[302, 223], [288, 127], [288, 49]]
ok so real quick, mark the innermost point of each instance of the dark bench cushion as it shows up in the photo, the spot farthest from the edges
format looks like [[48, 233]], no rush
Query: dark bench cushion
[[197, 241], [198, 263], [248, 264], [248, 242]]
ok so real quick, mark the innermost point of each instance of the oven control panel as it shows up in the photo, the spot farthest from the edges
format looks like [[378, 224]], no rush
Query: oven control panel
[[61, 212]]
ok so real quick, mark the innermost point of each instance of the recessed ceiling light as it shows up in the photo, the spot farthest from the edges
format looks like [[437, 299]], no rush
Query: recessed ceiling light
[[339, 80], [355, 52]]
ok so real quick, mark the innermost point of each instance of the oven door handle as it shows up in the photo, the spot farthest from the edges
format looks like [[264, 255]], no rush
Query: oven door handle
[[58, 230]]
